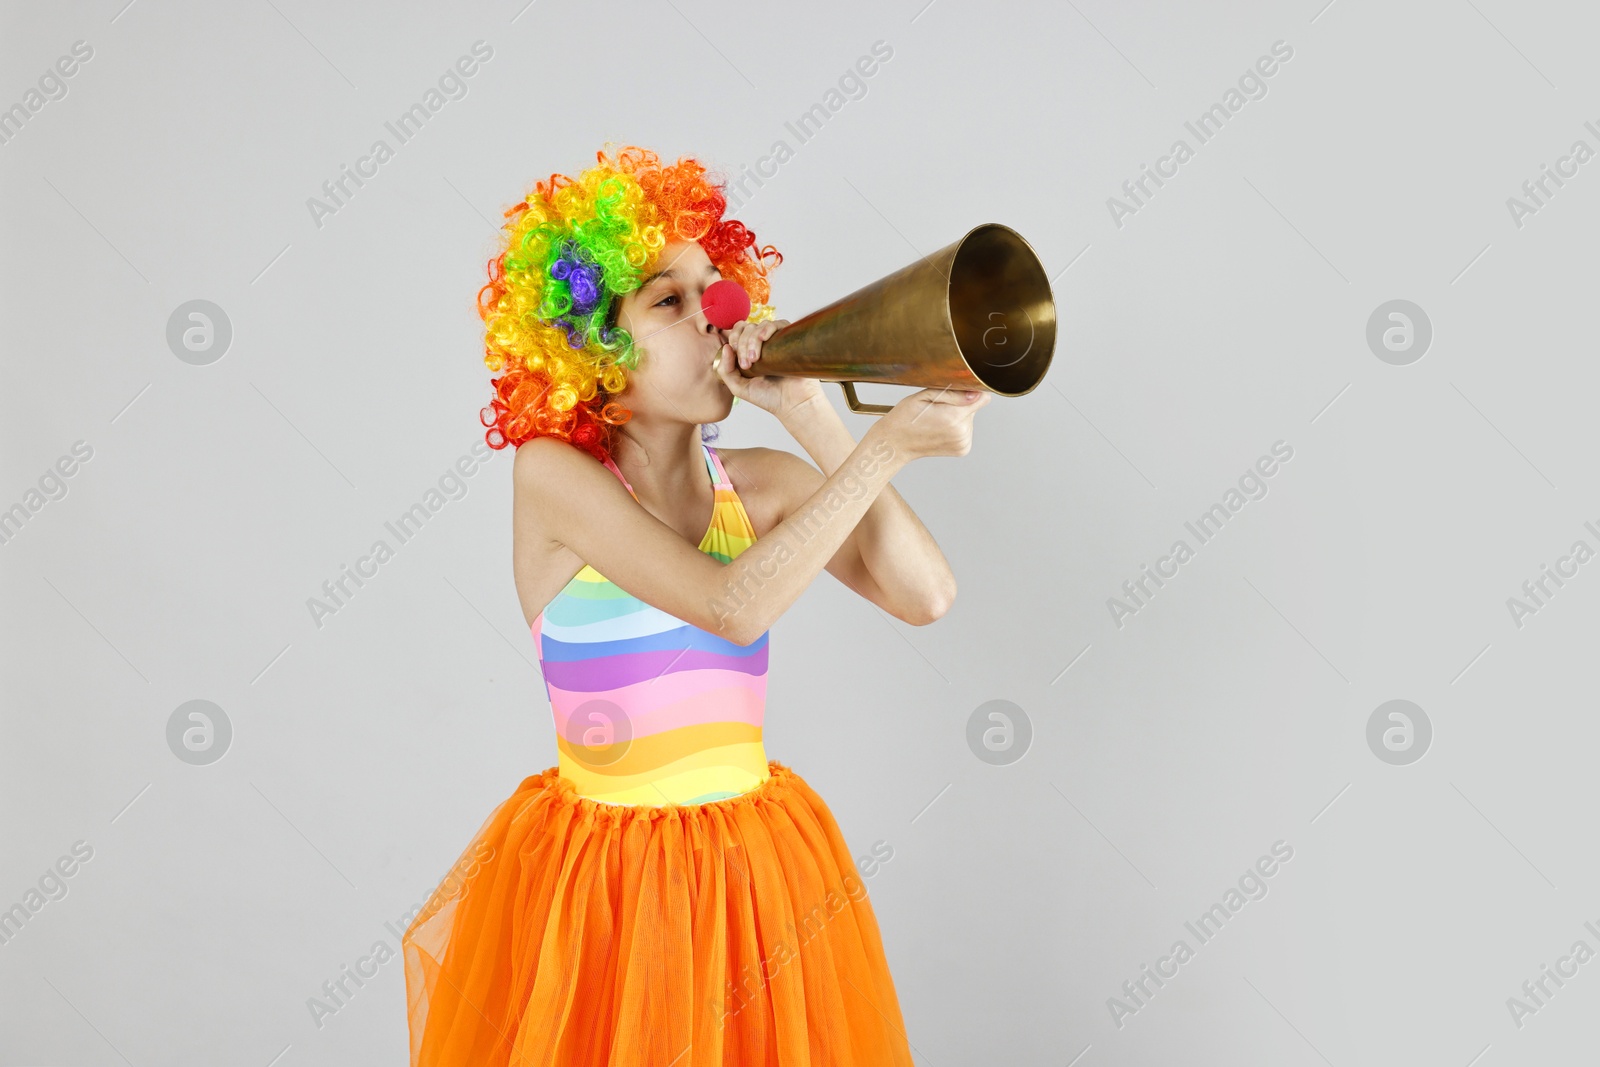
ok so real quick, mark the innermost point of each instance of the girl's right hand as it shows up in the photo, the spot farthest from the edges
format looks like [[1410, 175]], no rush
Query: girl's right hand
[[934, 422]]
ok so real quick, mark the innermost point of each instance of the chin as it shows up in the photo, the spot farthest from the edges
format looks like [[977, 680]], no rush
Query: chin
[[723, 403]]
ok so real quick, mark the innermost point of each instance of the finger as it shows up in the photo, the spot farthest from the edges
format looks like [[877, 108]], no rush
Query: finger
[[763, 335], [753, 337], [728, 370], [949, 395]]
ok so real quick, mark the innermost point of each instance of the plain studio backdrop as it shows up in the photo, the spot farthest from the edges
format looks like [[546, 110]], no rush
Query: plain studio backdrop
[[1369, 270]]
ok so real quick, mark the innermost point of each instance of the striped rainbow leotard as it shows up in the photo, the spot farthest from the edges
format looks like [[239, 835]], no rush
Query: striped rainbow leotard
[[649, 709]]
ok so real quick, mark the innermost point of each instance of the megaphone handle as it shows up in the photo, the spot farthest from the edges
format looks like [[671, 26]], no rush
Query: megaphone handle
[[857, 406]]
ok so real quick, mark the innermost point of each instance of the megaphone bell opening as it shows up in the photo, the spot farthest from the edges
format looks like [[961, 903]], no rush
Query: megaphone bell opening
[[1001, 310]]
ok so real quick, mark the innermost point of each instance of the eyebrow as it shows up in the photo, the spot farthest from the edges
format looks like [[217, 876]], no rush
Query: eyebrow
[[671, 272]]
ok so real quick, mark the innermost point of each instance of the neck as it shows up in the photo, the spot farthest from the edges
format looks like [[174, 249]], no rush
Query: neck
[[661, 462]]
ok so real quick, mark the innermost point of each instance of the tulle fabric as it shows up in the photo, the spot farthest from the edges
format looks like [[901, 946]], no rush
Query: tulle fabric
[[576, 933]]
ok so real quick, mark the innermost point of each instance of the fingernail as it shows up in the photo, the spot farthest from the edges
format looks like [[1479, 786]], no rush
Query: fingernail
[[971, 395]]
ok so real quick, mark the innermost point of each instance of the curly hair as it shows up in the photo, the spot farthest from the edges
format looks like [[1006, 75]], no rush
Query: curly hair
[[572, 248]]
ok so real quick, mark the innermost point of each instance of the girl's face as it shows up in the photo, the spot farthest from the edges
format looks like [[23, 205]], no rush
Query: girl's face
[[676, 379]]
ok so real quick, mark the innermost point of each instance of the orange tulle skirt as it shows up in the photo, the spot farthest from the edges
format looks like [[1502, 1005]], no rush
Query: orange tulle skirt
[[578, 933]]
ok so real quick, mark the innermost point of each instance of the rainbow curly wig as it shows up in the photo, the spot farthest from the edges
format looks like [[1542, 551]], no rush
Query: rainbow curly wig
[[572, 249]]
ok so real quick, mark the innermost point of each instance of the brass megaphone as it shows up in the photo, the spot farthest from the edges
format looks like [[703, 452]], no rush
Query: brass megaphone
[[977, 314]]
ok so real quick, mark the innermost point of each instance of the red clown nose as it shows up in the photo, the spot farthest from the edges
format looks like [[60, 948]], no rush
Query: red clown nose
[[725, 303]]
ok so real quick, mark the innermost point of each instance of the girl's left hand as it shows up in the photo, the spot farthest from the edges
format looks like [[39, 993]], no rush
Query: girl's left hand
[[779, 395]]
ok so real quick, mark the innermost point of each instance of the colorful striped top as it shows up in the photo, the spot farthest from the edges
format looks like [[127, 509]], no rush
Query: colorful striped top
[[649, 709]]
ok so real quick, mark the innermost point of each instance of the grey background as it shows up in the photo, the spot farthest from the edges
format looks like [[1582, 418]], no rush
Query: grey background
[[1229, 313]]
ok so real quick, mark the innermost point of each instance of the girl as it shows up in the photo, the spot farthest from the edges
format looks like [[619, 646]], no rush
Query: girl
[[666, 895]]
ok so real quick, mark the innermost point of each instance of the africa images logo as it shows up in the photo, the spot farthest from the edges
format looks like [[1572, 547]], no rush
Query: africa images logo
[[1252, 885]]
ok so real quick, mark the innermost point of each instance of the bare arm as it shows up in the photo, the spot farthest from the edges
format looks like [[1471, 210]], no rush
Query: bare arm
[[585, 507], [889, 558]]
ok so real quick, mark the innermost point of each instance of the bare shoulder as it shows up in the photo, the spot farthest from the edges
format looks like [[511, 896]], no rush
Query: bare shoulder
[[770, 482], [546, 471], [542, 462]]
